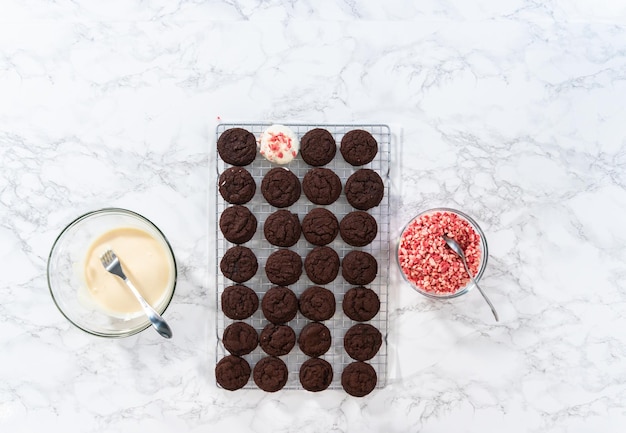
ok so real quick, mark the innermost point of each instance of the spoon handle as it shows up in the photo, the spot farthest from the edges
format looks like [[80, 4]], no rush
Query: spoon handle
[[493, 310]]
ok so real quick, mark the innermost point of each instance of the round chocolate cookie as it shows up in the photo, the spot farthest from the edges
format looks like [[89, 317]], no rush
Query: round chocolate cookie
[[360, 304], [359, 379], [316, 374], [236, 185], [359, 268], [279, 305], [270, 374], [322, 265], [317, 303], [237, 146], [282, 228], [321, 186], [232, 372], [358, 228], [283, 267], [240, 338], [318, 147], [277, 340], [364, 189], [314, 339], [280, 187], [239, 302], [362, 341], [238, 224], [358, 147], [320, 226], [239, 264]]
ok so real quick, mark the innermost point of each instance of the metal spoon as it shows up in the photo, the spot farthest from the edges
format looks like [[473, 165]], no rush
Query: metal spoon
[[454, 246]]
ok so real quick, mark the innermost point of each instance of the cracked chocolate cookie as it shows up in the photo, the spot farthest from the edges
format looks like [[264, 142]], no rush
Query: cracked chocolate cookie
[[283, 267], [277, 340], [362, 341], [317, 303], [239, 302], [282, 228], [364, 189], [320, 226], [322, 265], [359, 379], [359, 268], [270, 374], [280, 187], [314, 339], [360, 304], [232, 372], [240, 338], [236, 185], [321, 186], [316, 374], [238, 224], [318, 147], [358, 228], [279, 305], [237, 146], [358, 147], [239, 264]]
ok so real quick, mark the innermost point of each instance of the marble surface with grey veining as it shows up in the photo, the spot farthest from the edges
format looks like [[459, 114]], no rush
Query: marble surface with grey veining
[[512, 111]]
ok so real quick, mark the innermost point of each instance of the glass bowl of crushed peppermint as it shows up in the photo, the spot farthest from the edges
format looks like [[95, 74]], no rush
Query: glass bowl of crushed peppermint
[[429, 265]]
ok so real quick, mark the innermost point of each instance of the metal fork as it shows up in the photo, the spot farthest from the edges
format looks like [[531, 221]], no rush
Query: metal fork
[[112, 264]]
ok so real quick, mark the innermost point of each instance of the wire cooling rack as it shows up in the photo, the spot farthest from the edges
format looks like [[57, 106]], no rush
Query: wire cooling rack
[[379, 248]]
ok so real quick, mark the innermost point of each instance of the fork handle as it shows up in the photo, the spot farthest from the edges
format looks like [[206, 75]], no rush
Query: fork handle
[[155, 318]]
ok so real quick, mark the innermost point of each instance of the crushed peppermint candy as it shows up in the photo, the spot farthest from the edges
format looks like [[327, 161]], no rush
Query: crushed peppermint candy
[[428, 262], [279, 144]]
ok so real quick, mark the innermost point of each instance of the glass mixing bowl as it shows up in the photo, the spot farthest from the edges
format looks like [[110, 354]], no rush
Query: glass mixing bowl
[[482, 247], [66, 273]]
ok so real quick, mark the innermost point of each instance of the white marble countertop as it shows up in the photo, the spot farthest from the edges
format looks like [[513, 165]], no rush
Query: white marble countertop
[[512, 111]]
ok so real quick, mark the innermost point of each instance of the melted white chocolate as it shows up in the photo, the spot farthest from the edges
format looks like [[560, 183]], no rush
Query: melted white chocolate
[[145, 261]]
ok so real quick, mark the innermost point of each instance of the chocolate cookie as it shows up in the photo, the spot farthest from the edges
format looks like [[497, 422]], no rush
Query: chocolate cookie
[[359, 268], [280, 187], [358, 147], [239, 302], [236, 185], [240, 338], [317, 303], [237, 146], [359, 379], [364, 189], [314, 339], [279, 305], [358, 228], [238, 224], [360, 304], [282, 228], [316, 374], [322, 265], [318, 147], [239, 264], [232, 372], [321, 186], [277, 340], [320, 226], [362, 341], [283, 267], [270, 374]]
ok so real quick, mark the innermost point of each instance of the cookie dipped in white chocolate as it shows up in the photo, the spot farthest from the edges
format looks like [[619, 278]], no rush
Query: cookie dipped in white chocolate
[[279, 144]]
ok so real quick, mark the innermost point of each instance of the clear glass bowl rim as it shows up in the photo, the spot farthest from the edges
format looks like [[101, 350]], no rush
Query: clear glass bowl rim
[[483, 260], [105, 211]]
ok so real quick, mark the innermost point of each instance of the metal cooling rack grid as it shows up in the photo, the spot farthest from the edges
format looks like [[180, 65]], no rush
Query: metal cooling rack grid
[[379, 248]]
